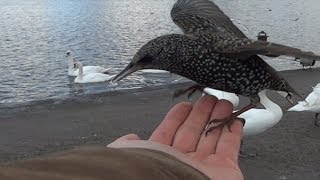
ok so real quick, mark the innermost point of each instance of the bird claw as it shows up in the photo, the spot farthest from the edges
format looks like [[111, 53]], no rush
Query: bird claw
[[180, 92], [216, 123], [229, 120], [190, 90]]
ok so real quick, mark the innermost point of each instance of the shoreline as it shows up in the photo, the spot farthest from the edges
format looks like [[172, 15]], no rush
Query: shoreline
[[288, 150], [115, 92], [95, 95]]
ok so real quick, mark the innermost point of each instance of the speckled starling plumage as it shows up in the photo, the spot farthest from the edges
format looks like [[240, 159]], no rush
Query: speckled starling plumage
[[213, 52]]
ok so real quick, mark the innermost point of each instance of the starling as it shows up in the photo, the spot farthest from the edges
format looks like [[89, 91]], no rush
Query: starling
[[214, 53]]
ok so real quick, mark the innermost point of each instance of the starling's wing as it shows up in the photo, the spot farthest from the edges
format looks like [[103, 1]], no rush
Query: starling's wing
[[202, 16], [273, 50]]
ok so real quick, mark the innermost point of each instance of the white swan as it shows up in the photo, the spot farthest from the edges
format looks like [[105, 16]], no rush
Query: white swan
[[233, 98], [90, 78], [257, 120], [311, 103], [260, 120], [73, 71]]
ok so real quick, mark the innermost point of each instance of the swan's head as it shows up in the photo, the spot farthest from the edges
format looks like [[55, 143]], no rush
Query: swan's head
[[78, 64], [286, 95], [68, 54]]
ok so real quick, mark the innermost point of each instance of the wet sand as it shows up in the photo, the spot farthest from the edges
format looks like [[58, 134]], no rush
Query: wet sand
[[287, 151]]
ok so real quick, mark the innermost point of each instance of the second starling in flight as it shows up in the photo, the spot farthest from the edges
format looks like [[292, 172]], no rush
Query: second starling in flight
[[214, 53]]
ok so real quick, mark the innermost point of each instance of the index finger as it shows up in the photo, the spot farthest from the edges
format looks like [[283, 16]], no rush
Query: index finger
[[230, 142], [166, 131]]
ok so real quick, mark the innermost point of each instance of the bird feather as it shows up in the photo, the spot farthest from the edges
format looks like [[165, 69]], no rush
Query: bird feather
[[199, 16], [203, 18]]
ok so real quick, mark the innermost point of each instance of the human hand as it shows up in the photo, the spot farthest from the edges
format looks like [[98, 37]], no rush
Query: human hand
[[182, 135]]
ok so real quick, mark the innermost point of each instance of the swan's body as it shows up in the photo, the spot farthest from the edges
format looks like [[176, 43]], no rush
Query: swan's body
[[260, 120], [87, 70], [311, 103], [90, 78], [233, 98], [73, 71], [257, 120]]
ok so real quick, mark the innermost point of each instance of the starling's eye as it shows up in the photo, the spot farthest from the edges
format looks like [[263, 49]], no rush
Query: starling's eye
[[146, 59]]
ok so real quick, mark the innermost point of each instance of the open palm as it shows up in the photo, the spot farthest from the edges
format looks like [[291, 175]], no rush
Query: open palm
[[181, 134]]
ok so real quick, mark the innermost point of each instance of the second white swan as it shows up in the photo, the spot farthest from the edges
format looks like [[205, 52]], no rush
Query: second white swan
[[311, 103], [90, 78], [74, 71]]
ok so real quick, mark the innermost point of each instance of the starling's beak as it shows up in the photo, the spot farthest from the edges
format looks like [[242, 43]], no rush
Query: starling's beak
[[124, 73]]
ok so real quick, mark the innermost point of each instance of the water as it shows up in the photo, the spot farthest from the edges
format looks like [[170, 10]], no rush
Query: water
[[35, 35]]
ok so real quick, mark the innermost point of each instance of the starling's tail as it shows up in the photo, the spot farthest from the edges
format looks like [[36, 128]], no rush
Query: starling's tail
[[280, 84]]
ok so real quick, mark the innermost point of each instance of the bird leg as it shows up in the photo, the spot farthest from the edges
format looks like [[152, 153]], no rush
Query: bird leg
[[315, 120], [215, 123], [190, 90]]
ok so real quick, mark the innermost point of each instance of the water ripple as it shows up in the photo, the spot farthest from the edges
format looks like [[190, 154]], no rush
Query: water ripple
[[36, 34]]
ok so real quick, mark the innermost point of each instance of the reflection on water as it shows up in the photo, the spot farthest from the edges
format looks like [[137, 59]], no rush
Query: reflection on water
[[35, 35]]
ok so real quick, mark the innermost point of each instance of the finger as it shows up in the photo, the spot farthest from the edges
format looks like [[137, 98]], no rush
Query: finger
[[188, 135], [208, 143], [166, 131], [229, 143]]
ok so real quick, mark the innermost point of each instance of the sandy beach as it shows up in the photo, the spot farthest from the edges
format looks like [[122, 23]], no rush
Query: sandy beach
[[287, 151]]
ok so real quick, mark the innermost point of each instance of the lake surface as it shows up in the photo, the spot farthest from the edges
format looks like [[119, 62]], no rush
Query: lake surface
[[35, 35]]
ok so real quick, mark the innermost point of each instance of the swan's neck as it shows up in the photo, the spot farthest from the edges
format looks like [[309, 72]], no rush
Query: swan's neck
[[80, 74], [317, 90], [269, 105], [71, 62]]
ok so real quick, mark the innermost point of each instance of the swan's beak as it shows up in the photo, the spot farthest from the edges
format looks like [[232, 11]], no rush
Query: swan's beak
[[289, 98], [131, 68], [287, 95]]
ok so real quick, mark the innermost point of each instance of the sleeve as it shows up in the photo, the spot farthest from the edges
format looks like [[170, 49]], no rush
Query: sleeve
[[103, 163]]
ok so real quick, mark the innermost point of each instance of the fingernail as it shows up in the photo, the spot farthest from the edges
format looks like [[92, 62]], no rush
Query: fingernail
[[242, 120]]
